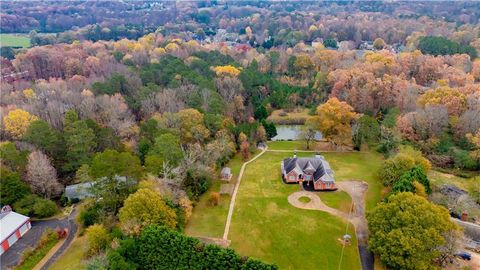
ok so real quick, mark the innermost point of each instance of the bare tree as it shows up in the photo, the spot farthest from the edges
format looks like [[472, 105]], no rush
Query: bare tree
[[41, 175]]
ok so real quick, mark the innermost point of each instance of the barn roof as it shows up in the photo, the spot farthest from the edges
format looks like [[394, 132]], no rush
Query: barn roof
[[9, 223]]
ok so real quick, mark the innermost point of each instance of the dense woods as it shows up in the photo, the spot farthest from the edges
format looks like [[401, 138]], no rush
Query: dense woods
[[147, 108]]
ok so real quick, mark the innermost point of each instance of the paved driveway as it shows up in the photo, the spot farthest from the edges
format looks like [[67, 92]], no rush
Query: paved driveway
[[12, 256]]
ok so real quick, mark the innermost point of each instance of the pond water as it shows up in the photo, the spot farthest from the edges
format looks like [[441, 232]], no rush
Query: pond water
[[291, 132]]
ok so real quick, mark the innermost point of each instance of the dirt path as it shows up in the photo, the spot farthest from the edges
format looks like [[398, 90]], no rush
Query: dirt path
[[234, 195], [357, 191]]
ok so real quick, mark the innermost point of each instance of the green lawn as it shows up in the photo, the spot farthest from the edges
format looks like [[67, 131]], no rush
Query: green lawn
[[14, 40], [338, 199], [266, 226], [208, 220], [439, 178], [73, 256], [286, 145]]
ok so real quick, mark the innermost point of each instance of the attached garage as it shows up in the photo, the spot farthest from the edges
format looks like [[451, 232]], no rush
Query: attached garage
[[12, 227]]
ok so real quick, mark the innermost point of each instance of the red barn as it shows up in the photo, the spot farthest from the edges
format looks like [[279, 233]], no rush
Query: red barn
[[12, 227]]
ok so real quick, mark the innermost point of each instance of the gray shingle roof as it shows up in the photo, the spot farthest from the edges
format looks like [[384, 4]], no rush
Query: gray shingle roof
[[316, 164]]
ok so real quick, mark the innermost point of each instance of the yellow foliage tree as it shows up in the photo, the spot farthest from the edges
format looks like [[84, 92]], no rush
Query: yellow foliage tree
[[143, 208], [452, 98], [17, 122], [29, 93], [334, 120], [226, 71]]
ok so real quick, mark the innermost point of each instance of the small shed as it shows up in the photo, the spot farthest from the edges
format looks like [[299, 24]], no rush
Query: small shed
[[226, 174]]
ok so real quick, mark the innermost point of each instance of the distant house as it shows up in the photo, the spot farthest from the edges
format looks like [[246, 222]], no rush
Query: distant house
[[12, 227], [78, 191], [226, 174], [314, 171]]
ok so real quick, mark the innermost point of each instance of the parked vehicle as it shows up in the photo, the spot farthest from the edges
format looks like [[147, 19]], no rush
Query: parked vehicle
[[464, 255]]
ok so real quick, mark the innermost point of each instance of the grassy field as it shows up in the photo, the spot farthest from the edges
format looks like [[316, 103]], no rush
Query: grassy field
[[468, 184], [14, 40], [73, 256], [266, 226], [208, 220]]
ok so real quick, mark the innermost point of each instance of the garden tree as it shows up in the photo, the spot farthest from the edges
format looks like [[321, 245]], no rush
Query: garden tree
[[158, 247], [245, 149], [406, 182], [378, 43], [308, 132], [406, 231], [34, 206], [111, 163], [17, 121], [393, 168], [167, 148], [388, 142], [79, 142], [143, 208], [97, 239], [334, 120], [13, 188], [261, 134], [45, 138], [42, 176], [12, 158], [366, 130]]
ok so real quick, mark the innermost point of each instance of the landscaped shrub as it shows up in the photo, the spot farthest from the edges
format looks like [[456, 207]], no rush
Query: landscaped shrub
[[89, 215], [97, 238], [34, 206], [44, 208], [214, 198], [463, 160], [161, 248], [195, 185]]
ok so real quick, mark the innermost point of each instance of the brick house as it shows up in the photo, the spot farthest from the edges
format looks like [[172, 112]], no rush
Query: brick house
[[312, 172]]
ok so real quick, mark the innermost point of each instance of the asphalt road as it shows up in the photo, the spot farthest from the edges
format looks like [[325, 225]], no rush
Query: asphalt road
[[12, 256]]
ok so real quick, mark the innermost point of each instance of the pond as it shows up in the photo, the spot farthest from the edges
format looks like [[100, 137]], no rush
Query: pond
[[291, 132]]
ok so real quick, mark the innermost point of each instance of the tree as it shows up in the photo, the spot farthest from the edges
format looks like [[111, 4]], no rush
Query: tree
[[245, 149], [143, 208], [44, 137], [17, 122], [330, 43], [41, 175], [308, 133], [406, 182], [393, 168], [406, 231], [167, 147], [378, 44], [366, 130], [11, 158], [13, 189], [97, 239], [334, 120], [261, 113], [79, 141], [111, 163]]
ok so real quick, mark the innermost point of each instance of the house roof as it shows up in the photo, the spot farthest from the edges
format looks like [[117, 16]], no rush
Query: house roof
[[316, 165], [9, 223], [226, 170]]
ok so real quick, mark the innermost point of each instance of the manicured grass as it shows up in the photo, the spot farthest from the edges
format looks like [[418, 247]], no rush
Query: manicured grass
[[73, 256], [266, 226], [208, 220], [304, 199], [286, 145], [338, 199], [14, 40]]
